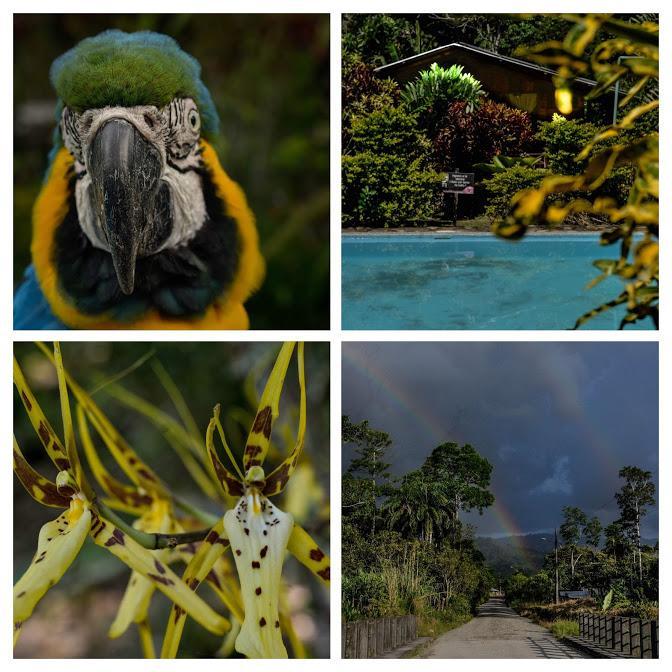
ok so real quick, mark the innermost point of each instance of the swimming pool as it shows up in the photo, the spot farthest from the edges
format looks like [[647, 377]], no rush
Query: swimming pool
[[475, 282]]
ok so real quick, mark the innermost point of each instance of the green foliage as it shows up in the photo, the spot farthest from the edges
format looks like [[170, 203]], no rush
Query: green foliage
[[563, 140], [437, 87], [386, 176], [501, 188], [628, 143], [462, 138], [606, 603], [404, 550], [381, 38], [521, 589], [499, 164]]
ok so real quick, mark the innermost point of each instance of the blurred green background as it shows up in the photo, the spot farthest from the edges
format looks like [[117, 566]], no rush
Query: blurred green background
[[73, 618], [269, 77]]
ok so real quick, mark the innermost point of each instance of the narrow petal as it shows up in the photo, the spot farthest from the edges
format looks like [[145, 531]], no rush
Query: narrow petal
[[309, 554], [146, 639], [38, 420], [58, 544], [269, 405], [129, 495], [109, 536], [198, 568], [139, 472], [258, 533], [68, 429], [278, 478], [135, 602], [38, 487], [230, 485], [183, 442]]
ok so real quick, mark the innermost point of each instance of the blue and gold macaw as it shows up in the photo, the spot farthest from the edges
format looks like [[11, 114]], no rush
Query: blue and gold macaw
[[137, 225]]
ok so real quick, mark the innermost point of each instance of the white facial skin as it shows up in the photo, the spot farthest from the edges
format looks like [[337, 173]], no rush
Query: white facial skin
[[174, 131]]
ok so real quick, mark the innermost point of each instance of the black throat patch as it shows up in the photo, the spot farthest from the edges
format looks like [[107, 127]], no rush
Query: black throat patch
[[180, 282]]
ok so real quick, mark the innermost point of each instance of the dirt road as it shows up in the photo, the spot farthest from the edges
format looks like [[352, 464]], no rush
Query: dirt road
[[499, 632]]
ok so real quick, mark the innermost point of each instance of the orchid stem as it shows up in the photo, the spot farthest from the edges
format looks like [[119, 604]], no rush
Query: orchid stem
[[152, 541]]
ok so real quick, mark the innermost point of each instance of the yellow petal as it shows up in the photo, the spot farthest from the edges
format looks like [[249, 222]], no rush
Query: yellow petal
[[309, 554], [129, 496], [146, 639], [230, 485], [260, 434], [38, 420], [139, 472], [58, 544], [258, 537], [135, 602], [198, 568], [38, 487], [278, 478], [107, 535], [68, 429]]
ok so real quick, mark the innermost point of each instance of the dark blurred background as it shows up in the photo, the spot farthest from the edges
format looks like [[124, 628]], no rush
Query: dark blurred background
[[269, 77], [73, 618]]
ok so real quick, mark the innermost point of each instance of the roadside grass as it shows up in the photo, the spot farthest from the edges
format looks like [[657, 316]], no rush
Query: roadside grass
[[562, 628], [433, 624]]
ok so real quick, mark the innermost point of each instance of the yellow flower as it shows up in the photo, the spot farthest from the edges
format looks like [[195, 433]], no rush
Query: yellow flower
[[59, 541]]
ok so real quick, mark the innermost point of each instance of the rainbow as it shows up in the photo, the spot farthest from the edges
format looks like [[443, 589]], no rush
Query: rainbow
[[404, 401]]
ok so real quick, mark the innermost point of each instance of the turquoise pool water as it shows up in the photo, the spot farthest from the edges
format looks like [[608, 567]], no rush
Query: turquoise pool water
[[474, 282]]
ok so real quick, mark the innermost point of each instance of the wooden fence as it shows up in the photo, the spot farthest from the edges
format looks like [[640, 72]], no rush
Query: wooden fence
[[373, 639], [631, 636]]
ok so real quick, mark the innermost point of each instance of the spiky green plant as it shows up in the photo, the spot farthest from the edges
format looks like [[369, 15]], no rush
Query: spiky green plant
[[438, 86]]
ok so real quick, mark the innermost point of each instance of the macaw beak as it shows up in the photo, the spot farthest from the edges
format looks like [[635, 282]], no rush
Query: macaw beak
[[125, 169]]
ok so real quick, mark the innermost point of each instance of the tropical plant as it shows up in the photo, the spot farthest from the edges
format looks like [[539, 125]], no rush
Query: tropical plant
[[632, 52], [257, 531], [462, 138], [499, 164], [438, 86]]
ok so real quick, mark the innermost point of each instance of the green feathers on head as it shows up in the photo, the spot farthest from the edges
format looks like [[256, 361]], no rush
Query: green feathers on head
[[128, 69]]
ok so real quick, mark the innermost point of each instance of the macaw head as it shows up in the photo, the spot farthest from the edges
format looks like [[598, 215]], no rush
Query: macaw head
[[133, 109]]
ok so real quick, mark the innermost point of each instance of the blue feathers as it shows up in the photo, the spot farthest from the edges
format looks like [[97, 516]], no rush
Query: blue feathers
[[31, 310]]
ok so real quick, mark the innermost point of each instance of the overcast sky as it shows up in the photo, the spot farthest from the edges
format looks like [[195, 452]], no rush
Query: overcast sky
[[556, 420]]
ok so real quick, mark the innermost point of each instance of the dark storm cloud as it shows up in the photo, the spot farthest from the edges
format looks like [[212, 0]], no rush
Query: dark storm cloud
[[557, 420]]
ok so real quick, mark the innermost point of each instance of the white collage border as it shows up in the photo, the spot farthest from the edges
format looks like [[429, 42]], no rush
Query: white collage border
[[334, 335]]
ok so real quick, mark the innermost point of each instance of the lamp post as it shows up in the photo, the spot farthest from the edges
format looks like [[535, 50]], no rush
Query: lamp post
[[557, 570]]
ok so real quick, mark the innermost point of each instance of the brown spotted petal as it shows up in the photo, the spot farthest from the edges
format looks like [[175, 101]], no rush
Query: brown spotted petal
[[308, 553], [199, 568], [269, 405], [135, 602], [259, 541], [58, 544], [107, 535], [279, 477], [38, 420], [38, 487]]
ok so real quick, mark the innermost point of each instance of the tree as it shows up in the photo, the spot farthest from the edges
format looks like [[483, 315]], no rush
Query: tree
[[633, 499], [419, 507], [371, 446], [592, 532], [571, 532]]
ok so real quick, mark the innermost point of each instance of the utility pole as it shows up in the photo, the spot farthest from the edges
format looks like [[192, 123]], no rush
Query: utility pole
[[557, 570]]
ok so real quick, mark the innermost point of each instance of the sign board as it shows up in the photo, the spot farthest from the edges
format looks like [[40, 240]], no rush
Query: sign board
[[458, 183]]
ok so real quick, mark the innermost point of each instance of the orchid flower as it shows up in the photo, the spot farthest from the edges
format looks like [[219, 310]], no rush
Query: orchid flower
[[85, 514], [257, 531]]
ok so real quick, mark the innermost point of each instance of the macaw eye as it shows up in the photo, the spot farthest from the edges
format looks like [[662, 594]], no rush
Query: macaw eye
[[194, 120]]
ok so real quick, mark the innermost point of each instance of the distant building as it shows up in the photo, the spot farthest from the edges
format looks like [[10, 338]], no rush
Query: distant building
[[574, 594], [524, 85]]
